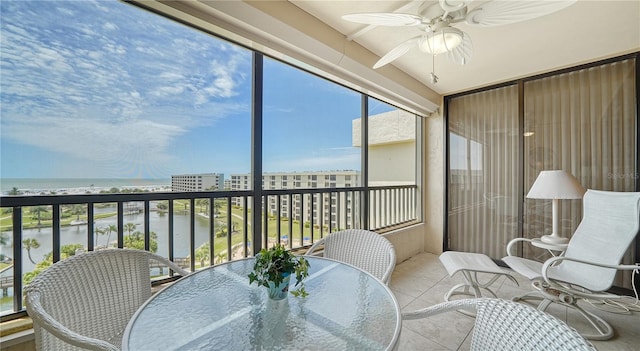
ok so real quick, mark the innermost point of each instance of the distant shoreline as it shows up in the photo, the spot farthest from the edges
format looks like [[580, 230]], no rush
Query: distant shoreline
[[38, 186]]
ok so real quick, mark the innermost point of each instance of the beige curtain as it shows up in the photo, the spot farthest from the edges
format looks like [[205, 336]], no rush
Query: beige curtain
[[582, 122], [483, 171]]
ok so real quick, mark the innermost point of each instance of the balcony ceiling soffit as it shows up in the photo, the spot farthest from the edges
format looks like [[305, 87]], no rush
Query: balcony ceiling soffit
[[586, 31]]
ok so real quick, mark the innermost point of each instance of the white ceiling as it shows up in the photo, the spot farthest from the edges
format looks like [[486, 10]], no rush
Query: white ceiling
[[312, 35], [584, 32]]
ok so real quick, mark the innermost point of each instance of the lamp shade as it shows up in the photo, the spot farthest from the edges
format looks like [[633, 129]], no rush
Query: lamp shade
[[556, 184]]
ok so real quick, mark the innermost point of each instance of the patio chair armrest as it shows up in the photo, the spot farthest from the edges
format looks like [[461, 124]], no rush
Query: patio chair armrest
[[462, 304], [386, 277], [554, 260], [172, 265], [314, 247], [47, 322], [513, 242]]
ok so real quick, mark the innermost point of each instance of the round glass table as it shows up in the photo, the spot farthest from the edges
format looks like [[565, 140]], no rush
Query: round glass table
[[217, 309]]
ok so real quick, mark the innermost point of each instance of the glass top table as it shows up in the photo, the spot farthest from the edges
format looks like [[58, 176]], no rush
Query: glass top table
[[217, 309]]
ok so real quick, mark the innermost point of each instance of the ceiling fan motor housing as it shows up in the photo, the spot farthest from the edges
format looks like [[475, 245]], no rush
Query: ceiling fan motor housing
[[434, 13]]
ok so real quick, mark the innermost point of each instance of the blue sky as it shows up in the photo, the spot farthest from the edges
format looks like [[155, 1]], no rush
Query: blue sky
[[101, 89]]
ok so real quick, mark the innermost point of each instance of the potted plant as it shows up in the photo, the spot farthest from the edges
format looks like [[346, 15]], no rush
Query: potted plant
[[273, 269]]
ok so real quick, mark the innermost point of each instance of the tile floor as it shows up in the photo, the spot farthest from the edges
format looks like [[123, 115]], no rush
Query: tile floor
[[422, 281]]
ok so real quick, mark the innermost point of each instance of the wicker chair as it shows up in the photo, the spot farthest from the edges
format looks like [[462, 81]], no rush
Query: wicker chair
[[503, 325], [86, 301], [364, 249]]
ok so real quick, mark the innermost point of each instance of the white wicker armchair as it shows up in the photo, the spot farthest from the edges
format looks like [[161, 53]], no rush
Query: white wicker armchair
[[86, 301], [364, 249], [503, 325]]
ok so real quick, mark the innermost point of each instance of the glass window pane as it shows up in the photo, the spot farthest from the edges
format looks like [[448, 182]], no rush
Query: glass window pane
[[392, 162], [308, 134], [116, 92], [103, 97]]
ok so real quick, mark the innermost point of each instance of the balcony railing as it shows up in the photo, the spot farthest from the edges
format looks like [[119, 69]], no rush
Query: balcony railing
[[193, 229]]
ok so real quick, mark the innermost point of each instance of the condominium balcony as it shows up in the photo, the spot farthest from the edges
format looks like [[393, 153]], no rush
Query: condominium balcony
[[289, 76]]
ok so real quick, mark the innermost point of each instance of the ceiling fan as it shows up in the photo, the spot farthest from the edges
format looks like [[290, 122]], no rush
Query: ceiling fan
[[437, 23]]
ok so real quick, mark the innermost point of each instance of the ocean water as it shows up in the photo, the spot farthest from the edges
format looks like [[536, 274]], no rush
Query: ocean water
[[67, 184]]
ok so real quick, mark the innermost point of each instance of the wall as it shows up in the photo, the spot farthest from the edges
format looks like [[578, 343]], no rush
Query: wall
[[426, 236], [433, 185], [408, 241]]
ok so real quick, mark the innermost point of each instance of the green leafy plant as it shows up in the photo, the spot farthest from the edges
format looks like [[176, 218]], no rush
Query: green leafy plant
[[272, 263]]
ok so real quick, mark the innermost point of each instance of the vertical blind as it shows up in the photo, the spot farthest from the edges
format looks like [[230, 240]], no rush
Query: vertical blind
[[582, 121]]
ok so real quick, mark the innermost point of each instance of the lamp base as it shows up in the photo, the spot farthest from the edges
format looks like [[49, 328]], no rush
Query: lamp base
[[553, 239]]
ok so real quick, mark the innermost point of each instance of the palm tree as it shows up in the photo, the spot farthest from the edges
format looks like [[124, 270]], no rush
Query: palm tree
[[38, 210], [217, 205], [162, 205], [220, 257], [77, 210], [203, 203], [29, 244], [130, 227], [136, 241], [14, 191], [202, 254], [100, 231], [110, 229], [4, 238]]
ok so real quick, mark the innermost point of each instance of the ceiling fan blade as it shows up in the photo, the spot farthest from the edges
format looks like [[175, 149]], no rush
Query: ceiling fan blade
[[397, 51], [461, 54], [497, 12], [385, 19]]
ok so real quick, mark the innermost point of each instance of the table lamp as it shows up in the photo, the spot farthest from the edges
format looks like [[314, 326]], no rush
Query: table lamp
[[555, 185]]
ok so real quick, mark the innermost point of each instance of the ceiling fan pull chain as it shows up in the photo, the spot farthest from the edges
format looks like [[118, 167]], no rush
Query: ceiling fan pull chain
[[432, 77]]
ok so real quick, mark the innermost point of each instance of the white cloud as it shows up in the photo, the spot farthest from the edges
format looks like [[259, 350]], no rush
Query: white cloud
[[110, 26], [78, 88], [97, 140]]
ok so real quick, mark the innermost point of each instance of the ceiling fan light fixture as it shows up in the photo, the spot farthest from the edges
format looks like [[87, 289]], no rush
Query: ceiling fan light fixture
[[441, 41]]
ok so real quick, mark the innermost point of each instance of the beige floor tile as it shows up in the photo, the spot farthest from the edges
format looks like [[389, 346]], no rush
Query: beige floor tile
[[422, 281], [410, 340]]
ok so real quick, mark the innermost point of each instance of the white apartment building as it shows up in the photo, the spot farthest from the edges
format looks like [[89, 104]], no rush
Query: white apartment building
[[310, 204], [197, 182], [392, 147], [392, 156]]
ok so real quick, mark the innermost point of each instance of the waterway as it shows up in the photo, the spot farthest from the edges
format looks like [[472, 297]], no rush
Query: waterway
[[77, 234]]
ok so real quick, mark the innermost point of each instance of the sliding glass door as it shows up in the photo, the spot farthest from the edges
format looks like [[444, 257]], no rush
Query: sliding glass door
[[582, 121], [483, 171]]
